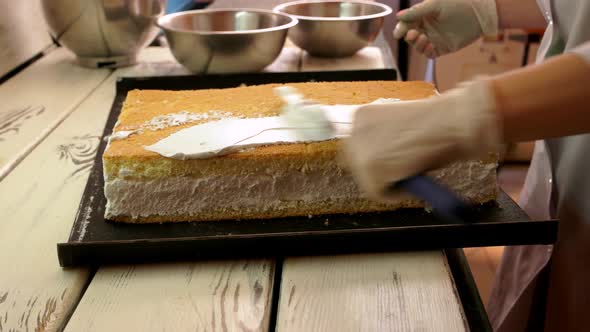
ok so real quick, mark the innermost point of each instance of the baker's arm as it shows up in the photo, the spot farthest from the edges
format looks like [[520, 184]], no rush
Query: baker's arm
[[547, 100], [395, 141], [438, 27], [521, 14]]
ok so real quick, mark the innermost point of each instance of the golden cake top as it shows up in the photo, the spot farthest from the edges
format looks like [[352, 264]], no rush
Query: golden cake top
[[143, 108]]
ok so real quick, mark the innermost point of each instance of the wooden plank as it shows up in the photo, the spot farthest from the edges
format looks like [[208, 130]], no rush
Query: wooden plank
[[37, 100], [378, 292], [206, 296], [176, 297], [23, 33], [39, 199], [370, 292]]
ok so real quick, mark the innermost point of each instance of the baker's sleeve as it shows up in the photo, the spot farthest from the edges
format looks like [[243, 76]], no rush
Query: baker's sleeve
[[583, 50]]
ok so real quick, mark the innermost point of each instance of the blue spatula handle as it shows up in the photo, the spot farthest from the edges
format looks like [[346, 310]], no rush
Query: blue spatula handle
[[443, 201]]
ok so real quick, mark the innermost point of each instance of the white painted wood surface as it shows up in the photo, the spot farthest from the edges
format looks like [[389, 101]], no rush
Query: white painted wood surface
[[23, 33], [370, 292], [381, 292], [39, 199], [38, 100], [203, 296], [38, 205]]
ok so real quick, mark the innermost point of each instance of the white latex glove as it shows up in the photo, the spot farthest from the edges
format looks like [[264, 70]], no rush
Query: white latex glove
[[391, 142], [437, 27]]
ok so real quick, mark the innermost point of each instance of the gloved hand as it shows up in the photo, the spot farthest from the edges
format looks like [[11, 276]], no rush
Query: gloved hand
[[437, 27], [391, 142]]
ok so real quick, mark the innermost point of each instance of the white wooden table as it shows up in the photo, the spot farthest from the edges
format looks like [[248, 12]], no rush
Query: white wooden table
[[51, 117]]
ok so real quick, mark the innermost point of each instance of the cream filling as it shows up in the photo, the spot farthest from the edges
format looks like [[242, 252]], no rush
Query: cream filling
[[258, 191], [263, 192]]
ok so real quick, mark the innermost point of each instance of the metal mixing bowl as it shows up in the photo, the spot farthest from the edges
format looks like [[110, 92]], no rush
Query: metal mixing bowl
[[334, 28], [226, 40], [103, 33]]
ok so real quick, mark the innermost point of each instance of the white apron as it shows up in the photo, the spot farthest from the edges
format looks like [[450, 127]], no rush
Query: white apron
[[548, 287]]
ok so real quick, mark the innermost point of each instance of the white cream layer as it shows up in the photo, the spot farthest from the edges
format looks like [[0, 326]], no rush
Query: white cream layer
[[167, 120], [262, 192], [299, 122]]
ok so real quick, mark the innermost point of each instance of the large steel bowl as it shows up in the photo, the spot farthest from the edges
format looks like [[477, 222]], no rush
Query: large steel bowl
[[104, 33], [226, 40], [334, 28]]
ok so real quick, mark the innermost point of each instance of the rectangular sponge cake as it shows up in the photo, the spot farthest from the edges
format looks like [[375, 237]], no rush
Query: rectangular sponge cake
[[266, 182]]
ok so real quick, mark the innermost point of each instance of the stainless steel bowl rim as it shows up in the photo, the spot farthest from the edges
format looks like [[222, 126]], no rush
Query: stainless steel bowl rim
[[293, 21], [386, 10]]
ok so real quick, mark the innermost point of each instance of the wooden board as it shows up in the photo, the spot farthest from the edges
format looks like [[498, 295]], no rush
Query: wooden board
[[37, 100], [40, 197], [251, 280], [23, 33], [207, 296], [377, 292]]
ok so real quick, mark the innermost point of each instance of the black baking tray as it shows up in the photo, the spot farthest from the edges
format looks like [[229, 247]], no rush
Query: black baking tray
[[94, 240]]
